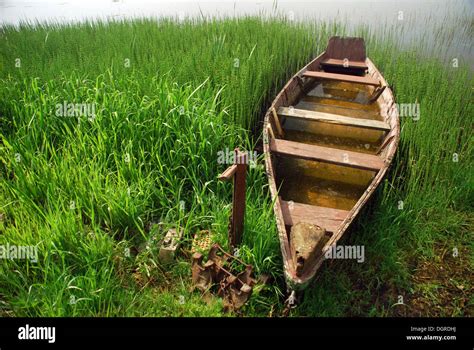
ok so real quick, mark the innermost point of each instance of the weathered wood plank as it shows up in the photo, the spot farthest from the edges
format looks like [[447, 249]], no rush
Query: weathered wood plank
[[327, 155], [333, 118], [351, 48], [228, 173], [377, 94], [342, 77], [277, 123], [342, 63], [328, 218]]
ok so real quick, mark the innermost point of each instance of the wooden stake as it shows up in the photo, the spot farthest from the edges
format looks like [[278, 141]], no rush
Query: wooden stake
[[237, 171]]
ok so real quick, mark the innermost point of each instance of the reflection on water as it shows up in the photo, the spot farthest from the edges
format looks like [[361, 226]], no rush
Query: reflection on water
[[321, 184], [358, 144], [328, 90]]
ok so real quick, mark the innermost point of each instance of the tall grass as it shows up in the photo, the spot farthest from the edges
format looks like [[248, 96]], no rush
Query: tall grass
[[244, 55], [169, 96]]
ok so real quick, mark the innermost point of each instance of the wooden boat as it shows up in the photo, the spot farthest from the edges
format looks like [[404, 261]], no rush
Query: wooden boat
[[329, 138]]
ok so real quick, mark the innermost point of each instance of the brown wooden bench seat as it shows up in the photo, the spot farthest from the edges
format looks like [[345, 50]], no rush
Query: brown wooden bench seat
[[335, 62], [326, 154], [367, 80]]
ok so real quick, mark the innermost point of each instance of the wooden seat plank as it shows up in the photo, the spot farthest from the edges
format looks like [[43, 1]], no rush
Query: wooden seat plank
[[333, 118], [342, 77], [340, 63], [328, 218], [326, 154]]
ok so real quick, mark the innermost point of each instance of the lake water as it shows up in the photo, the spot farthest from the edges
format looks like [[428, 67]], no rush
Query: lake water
[[445, 24]]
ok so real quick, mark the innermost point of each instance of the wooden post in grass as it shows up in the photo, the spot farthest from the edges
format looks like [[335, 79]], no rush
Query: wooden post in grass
[[237, 171]]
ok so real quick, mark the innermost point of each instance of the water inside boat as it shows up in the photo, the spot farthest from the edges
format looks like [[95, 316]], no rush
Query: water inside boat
[[324, 184]]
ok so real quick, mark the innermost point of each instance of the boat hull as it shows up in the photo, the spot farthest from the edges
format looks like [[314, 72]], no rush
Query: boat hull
[[288, 97]]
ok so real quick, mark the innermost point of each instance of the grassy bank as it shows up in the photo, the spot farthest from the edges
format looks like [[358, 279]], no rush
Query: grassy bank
[[87, 190]]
